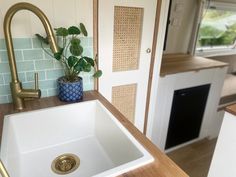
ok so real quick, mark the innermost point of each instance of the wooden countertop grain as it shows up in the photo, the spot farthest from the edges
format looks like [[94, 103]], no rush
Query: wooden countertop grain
[[178, 63], [162, 165], [231, 109]]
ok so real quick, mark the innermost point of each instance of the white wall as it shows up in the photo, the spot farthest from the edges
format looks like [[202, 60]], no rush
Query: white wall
[[224, 158], [180, 30], [59, 13]]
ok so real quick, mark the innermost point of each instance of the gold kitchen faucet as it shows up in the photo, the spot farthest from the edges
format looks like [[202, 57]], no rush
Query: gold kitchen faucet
[[18, 93]]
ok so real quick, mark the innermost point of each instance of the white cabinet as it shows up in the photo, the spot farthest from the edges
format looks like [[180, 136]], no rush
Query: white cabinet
[[126, 31], [158, 125], [224, 158]]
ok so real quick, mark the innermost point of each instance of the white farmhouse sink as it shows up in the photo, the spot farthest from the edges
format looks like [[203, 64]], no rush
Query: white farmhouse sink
[[32, 140]]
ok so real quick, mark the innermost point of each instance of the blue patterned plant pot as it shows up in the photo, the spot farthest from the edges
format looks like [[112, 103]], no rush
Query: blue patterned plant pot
[[70, 91]]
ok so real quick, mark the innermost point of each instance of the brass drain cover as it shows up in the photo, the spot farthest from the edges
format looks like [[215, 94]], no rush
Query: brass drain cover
[[65, 164]]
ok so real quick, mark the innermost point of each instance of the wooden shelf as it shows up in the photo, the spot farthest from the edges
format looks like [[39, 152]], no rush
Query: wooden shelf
[[178, 63]]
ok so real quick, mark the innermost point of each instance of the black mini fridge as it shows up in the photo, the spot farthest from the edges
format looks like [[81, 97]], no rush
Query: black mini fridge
[[186, 116]]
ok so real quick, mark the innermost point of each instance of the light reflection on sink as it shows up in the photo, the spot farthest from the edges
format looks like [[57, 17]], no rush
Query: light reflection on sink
[[32, 140]]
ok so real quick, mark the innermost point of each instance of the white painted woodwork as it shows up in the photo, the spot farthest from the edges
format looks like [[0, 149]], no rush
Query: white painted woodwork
[[140, 76], [224, 158], [158, 124], [154, 100], [59, 12]]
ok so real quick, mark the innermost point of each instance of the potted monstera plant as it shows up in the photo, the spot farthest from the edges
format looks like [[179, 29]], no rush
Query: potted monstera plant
[[70, 55]]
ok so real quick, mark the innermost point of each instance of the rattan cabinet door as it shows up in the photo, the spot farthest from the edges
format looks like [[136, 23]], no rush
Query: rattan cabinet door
[[126, 30]]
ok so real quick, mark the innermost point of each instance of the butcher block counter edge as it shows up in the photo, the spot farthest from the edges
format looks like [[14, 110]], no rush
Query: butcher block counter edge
[[231, 109], [178, 63]]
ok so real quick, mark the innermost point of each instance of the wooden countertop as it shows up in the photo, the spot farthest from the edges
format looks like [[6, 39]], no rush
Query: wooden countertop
[[161, 167], [231, 109], [178, 63]]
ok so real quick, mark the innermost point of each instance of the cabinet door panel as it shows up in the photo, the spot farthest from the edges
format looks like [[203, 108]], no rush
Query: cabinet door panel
[[125, 34]]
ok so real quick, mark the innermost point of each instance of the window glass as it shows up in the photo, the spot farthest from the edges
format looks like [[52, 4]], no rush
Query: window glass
[[217, 30]]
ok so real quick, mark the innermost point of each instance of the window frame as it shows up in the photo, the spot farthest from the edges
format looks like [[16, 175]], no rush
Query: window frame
[[221, 50]]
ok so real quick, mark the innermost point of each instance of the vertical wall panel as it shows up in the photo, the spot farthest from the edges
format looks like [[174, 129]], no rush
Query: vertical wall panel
[[84, 13], [59, 12], [124, 99], [64, 12], [35, 23], [20, 22]]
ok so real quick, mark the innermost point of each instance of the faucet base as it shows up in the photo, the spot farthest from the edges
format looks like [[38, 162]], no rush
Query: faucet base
[[19, 94], [17, 101]]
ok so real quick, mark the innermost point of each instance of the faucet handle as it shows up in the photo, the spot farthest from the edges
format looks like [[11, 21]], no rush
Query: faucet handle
[[36, 81]]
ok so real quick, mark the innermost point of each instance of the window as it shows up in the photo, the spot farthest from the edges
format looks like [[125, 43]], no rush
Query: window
[[217, 31]]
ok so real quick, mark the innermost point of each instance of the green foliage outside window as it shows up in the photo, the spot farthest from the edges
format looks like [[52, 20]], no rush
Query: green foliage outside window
[[218, 28]]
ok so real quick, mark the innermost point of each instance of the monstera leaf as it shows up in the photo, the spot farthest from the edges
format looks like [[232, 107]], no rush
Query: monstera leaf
[[71, 51], [89, 60], [75, 41], [97, 74], [74, 30], [61, 32], [76, 50], [58, 54], [72, 60], [83, 29]]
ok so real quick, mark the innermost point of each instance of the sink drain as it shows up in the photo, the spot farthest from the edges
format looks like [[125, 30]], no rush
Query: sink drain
[[65, 164]]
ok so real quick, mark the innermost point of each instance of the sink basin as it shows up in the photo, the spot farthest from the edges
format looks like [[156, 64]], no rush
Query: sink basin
[[32, 140]]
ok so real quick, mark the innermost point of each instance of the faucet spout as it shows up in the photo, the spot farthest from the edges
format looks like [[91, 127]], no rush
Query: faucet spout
[[16, 88], [3, 170]]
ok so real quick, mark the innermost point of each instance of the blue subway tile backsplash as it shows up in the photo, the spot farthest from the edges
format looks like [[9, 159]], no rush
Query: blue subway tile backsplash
[[43, 64], [4, 68], [33, 54], [4, 90], [2, 44], [7, 77], [4, 99], [4, 57], [30, 58], [1, 79], [30, 75], [22, 43]]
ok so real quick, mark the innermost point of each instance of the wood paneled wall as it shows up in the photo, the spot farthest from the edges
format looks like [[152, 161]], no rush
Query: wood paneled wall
[[59, 12]]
